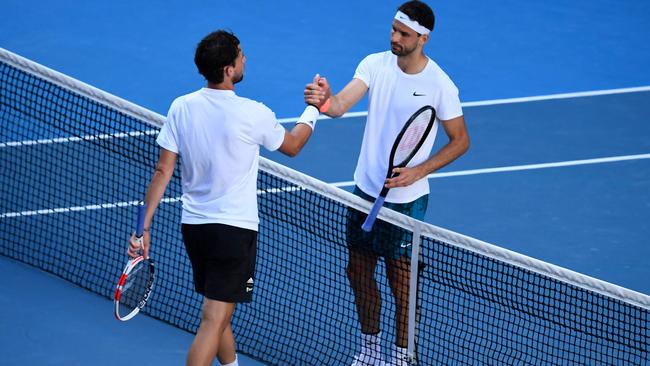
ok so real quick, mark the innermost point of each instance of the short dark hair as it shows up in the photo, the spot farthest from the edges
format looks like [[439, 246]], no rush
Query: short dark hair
[[420, 12], [216, 51]]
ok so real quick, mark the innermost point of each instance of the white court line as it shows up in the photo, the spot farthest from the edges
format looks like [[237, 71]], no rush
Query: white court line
[[348, 183], [347, 115], [481, 103], [77, 139], [322, 116], [50, 211], [523, 167], [345, 184], [592, 93]]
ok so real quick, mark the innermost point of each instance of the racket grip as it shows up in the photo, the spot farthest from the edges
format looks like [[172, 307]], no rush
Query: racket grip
[[142, 210], [372, 216]]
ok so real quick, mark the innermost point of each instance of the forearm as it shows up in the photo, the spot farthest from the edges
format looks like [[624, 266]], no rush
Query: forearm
[[337, 107], [155, 192], [450, 152], [295, 139], [346, 98], [458, 144]]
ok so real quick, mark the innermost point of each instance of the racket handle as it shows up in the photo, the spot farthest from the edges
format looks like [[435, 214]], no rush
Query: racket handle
[[142, 210], [372, 216]]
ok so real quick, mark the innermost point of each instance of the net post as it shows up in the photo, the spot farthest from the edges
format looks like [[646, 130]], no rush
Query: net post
[[413, 289]]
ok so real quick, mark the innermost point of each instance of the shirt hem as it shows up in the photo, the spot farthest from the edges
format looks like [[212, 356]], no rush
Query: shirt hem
[[401, 199], [237, 223]]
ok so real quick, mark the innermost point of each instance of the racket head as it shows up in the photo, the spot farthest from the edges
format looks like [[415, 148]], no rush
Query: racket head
[[133, 288], [412, 137]]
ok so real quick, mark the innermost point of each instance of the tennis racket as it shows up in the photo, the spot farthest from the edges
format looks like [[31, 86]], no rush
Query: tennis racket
[[406, 145], [134, 286]]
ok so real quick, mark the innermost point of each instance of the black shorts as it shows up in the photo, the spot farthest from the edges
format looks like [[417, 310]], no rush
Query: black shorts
[[223, 260]]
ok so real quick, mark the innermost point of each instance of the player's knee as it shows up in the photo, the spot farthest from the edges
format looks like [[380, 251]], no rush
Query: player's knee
[[402, 302], [215, 321], [215, 318], [358, 275], [352, 274], [212, 317]]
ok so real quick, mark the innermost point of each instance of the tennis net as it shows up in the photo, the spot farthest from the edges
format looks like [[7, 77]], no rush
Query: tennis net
[[76, 160]]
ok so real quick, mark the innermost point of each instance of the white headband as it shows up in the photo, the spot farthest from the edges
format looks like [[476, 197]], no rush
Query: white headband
[[403, 18]]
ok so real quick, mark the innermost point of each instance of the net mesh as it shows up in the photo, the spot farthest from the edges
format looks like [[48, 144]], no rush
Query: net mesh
[[74, 168]]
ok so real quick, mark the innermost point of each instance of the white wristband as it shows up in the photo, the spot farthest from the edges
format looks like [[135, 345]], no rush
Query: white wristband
[[309, 116]]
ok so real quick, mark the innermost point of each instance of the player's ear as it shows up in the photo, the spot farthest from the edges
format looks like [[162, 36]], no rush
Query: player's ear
[[423, 39], [228, 72]]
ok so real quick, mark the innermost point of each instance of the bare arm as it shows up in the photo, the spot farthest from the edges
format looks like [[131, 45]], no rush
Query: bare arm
[[457, 145], [159, 181], [295, 139], [318, 93]]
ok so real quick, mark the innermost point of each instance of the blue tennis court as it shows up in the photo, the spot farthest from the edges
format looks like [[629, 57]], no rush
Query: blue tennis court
[[562, 178]]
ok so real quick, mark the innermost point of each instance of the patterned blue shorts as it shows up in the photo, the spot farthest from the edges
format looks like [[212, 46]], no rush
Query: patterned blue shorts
[[384, 239]]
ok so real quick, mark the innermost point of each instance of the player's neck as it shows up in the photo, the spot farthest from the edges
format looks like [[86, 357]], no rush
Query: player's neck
[[413, 63], [225, 85]]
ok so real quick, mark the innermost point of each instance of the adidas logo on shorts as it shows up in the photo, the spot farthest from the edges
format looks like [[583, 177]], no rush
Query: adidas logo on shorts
[[249, 285]]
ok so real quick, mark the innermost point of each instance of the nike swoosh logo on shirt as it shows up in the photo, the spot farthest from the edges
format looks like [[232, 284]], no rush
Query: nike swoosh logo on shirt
[[415, 94]]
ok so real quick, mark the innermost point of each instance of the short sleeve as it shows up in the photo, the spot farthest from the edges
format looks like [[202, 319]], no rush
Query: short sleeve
[[449, 104], [267, 131], [168, 136], [364, 70]]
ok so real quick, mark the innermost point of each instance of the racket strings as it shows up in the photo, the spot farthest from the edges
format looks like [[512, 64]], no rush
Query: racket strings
[[411, 138], [135, 277], [135, 289]]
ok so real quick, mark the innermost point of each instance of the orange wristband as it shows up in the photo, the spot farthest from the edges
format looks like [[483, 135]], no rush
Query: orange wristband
[[323, 108]]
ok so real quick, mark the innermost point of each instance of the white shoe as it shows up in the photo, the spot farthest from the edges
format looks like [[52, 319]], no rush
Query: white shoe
[[394, 362], [365, 360], [397, 361]]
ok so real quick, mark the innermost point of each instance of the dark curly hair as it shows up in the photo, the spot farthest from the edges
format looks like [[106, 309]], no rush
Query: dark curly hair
[[216, 51], [420, 12]]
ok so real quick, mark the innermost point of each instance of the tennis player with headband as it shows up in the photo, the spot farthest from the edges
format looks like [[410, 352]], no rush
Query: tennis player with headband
[[218, 135], [398, 83]]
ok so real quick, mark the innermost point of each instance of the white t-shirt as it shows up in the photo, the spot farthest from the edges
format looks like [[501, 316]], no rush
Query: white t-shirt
[[393, 97], [217, 135]]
